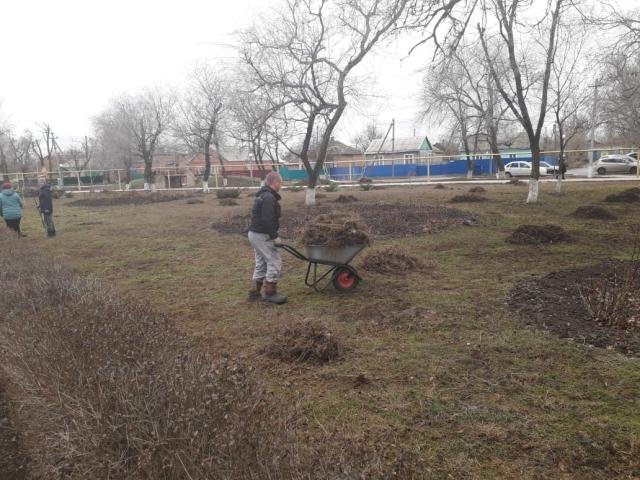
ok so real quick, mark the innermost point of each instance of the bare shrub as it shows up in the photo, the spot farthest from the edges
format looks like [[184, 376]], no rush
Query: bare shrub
[[228, 193], [109, 389], [613, 299], [307, 341]]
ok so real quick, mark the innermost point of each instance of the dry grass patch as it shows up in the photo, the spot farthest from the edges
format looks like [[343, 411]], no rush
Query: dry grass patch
[[130, 198]]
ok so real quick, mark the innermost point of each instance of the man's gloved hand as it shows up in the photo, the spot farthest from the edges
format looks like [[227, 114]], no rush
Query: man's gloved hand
[[277, 241]]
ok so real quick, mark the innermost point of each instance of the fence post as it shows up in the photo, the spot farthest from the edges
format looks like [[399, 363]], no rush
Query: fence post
[[119, 182], [429, 169]]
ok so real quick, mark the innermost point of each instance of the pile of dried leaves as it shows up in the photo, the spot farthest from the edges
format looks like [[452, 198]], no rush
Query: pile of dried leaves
[[306, 341], [335, 230], [390, 261]]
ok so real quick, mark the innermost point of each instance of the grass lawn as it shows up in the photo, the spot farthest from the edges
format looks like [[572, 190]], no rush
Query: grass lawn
[[472, 393]]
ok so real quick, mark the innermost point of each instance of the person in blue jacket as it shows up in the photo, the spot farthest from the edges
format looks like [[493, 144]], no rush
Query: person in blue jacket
[[11, 207]]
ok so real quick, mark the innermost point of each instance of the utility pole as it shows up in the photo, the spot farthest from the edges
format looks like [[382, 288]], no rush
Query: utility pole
[[594, 114], [393, 135]]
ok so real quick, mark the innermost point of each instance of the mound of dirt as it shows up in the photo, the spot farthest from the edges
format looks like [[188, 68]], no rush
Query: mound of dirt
[[631, 195], [345, 199], [228, 202], [390, 261], [467, 197], [477, 189], [335, 230], [228, 193], [553, 302], [439, 186], [593, 212], [538, 234], [193, 201], [384, 219], [307, 341], [130, 198]]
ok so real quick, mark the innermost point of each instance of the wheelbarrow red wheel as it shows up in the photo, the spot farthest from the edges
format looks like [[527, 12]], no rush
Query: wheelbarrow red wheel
[[345, 279]]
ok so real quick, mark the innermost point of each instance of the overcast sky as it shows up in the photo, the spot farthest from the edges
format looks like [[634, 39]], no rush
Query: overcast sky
[[63, 59]]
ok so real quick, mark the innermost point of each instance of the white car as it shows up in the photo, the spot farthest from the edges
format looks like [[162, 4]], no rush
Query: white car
[[521, 169]]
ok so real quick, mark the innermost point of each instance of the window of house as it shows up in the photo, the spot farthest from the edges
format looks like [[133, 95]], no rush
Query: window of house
[[408, 158]]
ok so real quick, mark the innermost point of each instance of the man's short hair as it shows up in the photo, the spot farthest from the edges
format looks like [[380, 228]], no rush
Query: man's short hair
[[271, 178]]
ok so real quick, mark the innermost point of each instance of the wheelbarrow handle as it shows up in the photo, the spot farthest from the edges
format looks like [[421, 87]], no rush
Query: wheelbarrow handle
[[293, 251]]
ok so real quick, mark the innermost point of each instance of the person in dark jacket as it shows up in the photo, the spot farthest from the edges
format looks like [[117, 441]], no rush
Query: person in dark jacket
[[11, 207], [46, 209], [263, 236]]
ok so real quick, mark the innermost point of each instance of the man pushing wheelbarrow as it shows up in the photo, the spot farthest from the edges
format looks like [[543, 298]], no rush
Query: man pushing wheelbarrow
[[263, 236]]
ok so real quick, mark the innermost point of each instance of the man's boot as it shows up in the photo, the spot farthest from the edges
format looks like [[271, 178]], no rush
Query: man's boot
[[271, 293], [254, 293]]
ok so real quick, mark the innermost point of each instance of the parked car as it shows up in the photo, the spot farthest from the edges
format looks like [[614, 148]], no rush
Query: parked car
[[551, 169], [615, 164], [634, 155], [521, 169]]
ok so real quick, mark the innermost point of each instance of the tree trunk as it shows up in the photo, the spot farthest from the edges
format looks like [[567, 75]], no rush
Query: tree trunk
[[148, 173], [533, 190], [310, 197], [207, 167], [559, 184]]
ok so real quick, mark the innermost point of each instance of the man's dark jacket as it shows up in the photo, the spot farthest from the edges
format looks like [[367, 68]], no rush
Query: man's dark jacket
[[46, 203], [265, 214]]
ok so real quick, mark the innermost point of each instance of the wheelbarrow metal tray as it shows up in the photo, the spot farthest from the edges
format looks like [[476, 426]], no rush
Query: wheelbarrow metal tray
[[333, 255]]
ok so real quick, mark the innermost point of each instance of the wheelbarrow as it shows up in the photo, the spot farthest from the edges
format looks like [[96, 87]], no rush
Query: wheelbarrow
[[343, 276]]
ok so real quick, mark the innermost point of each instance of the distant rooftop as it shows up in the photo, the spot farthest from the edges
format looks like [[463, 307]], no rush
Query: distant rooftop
[[402, 144]]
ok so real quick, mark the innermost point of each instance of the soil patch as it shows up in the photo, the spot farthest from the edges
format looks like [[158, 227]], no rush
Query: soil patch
[[467, 197], [631, 195], [515, 181], [335, 230], [307, 341], [384, 219], [345, 199], [593, 212], [477, 189], [439, 186], [553, 302], [538, 234], [228, 202], [130, 198], [193, 201], [390, 261]]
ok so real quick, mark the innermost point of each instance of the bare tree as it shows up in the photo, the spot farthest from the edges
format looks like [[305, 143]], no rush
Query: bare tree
[[115, 144], [45, 147], [568, 93], [520, 62], [444, 94], [81, 154], [203, 114], [363, 139], [305, 57], [146, 117]]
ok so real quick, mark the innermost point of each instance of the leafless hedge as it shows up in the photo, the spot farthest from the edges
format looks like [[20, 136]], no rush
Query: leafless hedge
[[103, 387], [109, 389]]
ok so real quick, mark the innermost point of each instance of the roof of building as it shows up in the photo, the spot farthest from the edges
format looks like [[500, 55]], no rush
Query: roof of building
[[402, 144]]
